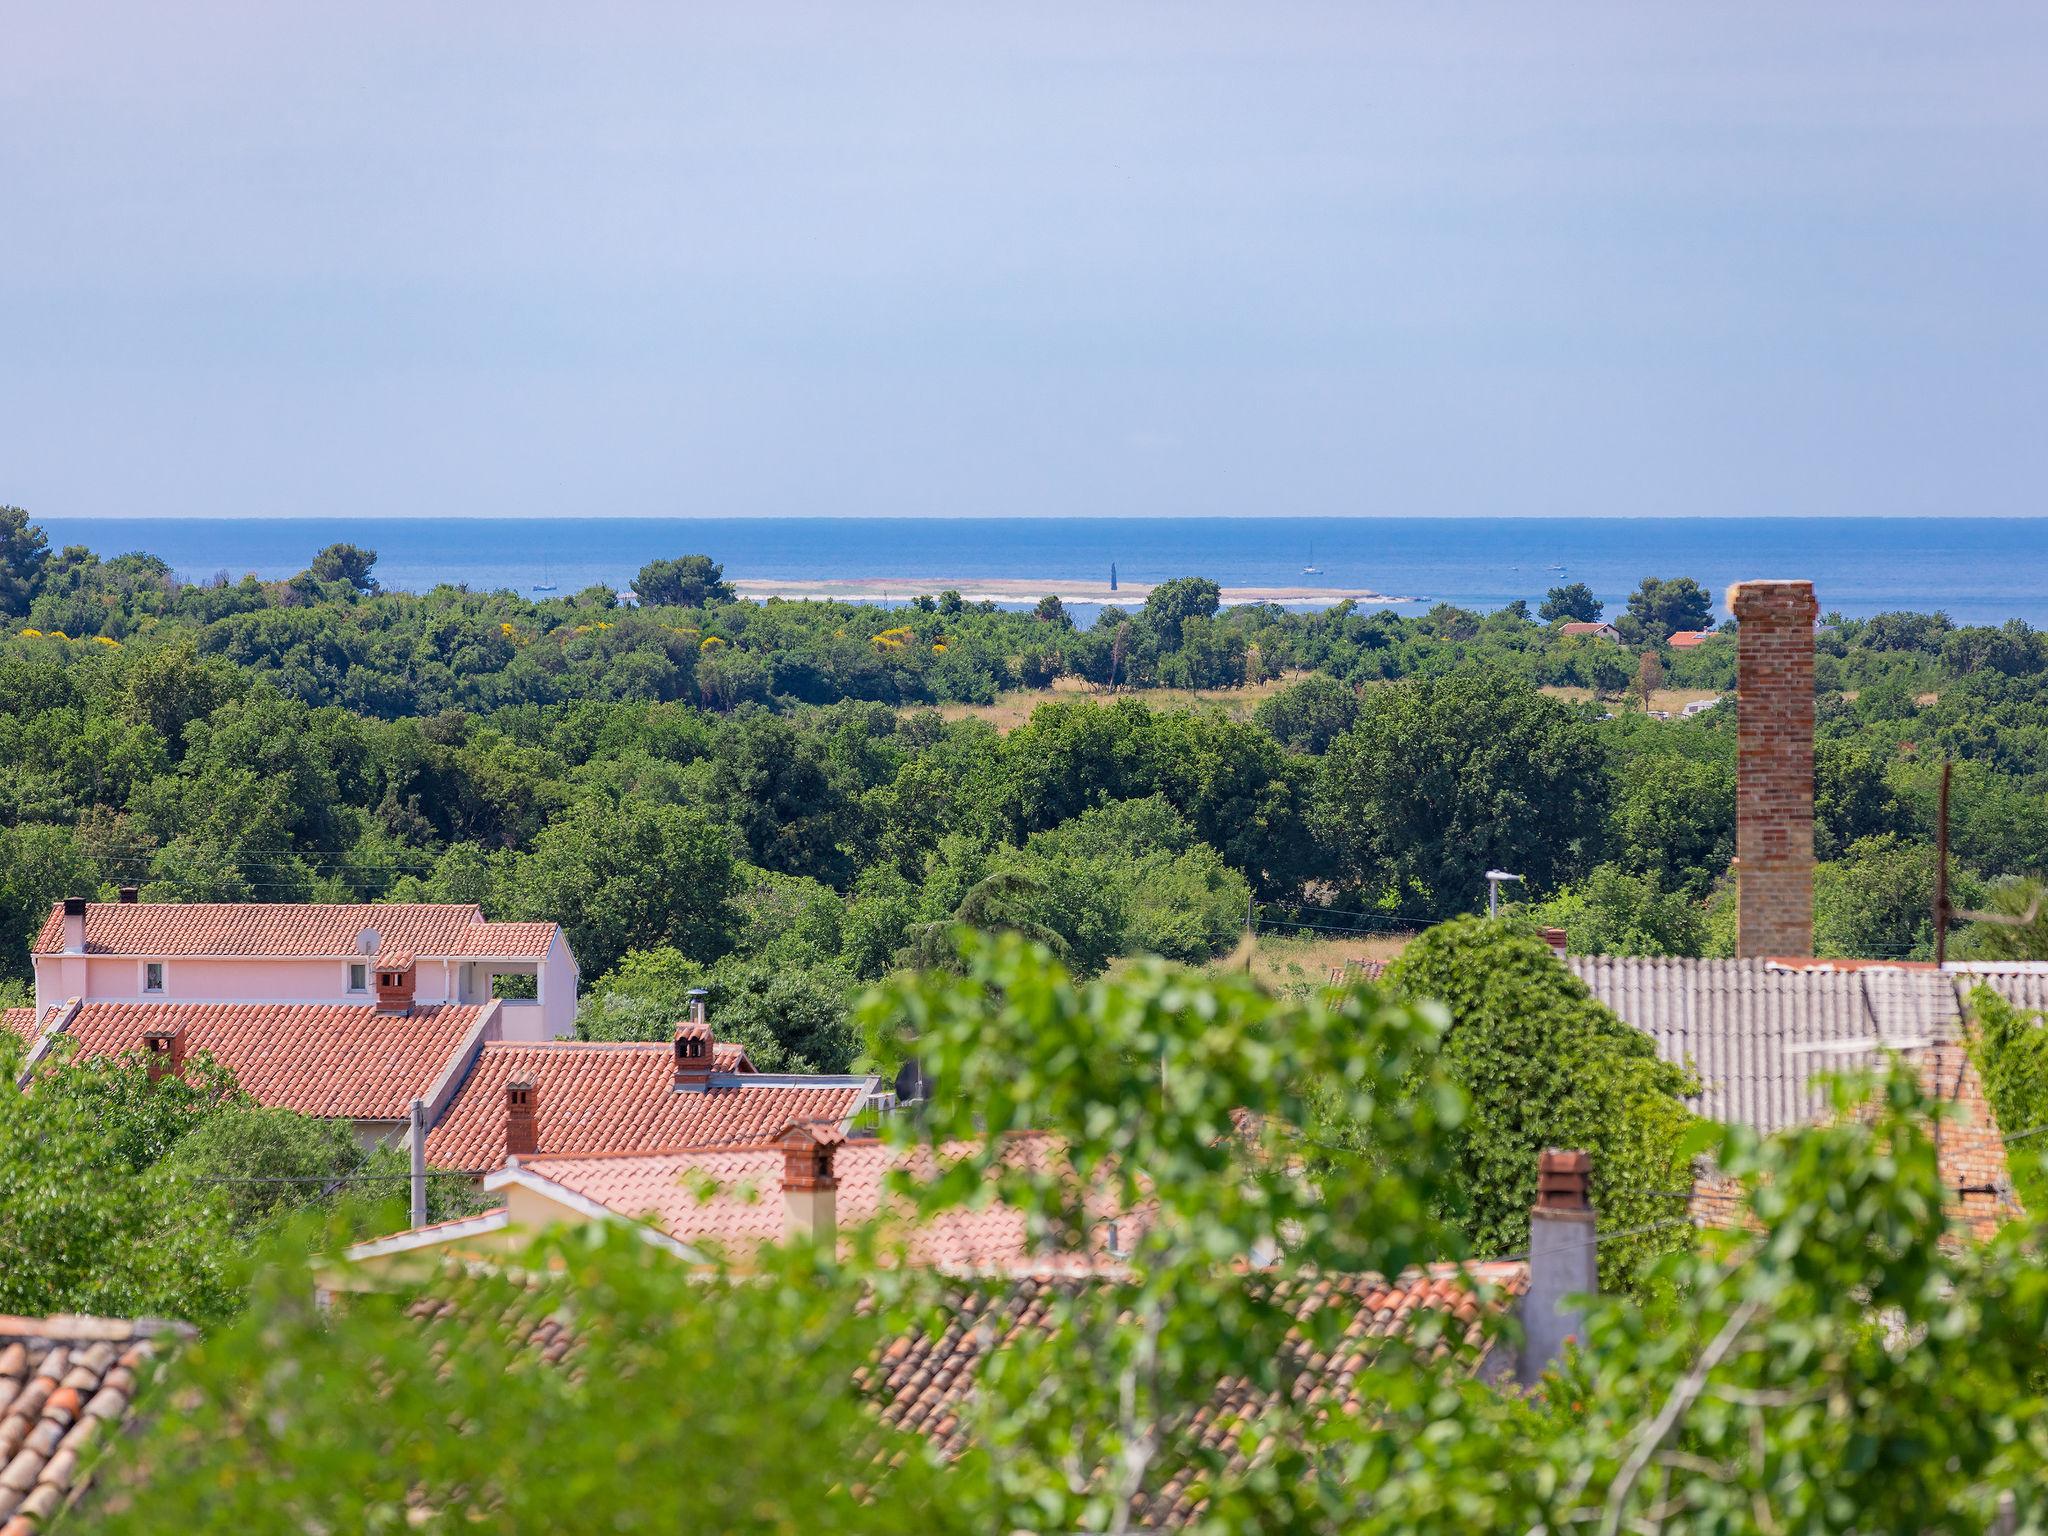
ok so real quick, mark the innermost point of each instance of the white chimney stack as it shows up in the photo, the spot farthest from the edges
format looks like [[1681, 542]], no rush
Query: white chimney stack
[[74, 925], [810, 1190], [1563, 1260]]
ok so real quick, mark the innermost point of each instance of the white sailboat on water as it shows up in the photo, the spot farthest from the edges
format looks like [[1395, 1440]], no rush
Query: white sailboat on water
[[1311, 569]]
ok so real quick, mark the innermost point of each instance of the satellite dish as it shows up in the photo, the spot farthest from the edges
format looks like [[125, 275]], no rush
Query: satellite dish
[[912, 1086], [367, 942]]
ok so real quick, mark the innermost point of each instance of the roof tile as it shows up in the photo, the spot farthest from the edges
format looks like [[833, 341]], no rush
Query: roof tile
[[333, 1059], [294, 929], [60, 1379], [745, 1199], [621, 1097]]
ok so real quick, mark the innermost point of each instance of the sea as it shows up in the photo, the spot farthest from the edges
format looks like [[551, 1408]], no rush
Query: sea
[[1976, 570]]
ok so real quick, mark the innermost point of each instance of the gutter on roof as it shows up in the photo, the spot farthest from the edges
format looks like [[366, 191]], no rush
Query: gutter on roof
[[462, 1063], [61, 1018]]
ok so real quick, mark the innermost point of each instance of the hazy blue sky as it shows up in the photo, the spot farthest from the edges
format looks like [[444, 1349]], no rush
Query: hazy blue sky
[[1031, 258]]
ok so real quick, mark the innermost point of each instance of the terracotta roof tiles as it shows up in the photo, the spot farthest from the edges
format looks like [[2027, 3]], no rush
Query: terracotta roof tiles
[[294, 929], [66, 1383], [20, 1022], [621, 1097], [669, 1189], [333, 1059], [923, 1382]]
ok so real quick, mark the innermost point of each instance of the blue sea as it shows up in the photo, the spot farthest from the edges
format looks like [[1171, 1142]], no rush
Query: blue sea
[[1977, 570]]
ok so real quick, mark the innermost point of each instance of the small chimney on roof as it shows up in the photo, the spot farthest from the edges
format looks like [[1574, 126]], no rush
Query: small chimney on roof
[[810, 1188], [522, 1119], [130, 894], [74, 925], [693, 1049], [1774, 767], [163, 1052], [396, 978], [1563, 1260], [1555, 938]]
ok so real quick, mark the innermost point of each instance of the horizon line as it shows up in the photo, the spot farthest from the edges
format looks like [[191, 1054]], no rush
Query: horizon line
[[1038, 517]]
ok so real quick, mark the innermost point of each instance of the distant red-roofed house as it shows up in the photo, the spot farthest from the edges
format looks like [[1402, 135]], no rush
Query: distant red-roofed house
[[627, 1097], [279, 952], [1688, 639], [808, 1177], [335, 1060], [1590, 629]]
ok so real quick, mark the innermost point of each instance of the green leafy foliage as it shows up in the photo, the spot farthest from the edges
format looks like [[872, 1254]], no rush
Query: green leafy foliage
[[692, 581], [1658, 609], [1612, 912], [749, 1418], [1839, 1365], [1444, 778], [1573, 601], [1545, 1065], [2010, 1048]]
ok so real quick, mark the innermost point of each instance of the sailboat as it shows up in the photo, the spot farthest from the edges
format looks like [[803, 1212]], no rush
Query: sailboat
[[1311, 569], [547, 580]]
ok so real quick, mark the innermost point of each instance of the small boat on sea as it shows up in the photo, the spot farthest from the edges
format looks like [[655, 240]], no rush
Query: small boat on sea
[[547, 580], [1311, 569]]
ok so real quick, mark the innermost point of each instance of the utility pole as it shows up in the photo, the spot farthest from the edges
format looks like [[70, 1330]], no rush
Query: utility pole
[[1941, 908], [418, 1138], [1495, 879]]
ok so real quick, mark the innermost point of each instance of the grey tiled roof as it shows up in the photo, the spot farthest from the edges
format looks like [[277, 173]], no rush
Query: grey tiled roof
[[1741, 1023]]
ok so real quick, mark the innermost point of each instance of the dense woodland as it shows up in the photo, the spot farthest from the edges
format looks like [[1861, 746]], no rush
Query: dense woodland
[[758, 797]]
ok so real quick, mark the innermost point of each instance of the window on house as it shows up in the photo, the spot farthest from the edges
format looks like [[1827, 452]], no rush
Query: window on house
[[153, 976], [359, 977]]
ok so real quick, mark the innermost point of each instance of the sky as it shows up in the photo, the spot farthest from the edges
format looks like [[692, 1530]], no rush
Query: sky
[[1637, 259]]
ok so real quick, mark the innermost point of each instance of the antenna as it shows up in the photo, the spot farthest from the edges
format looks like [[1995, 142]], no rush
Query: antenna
[[1495, 879]]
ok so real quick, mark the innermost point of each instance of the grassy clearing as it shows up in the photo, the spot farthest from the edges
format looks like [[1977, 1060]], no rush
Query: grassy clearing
[[1279, 961], [1670, 699], [1014, 708]]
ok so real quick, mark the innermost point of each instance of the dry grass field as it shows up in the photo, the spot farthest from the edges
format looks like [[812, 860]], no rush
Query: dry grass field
[[1281, 961], [1670, 699], [1012, 709]]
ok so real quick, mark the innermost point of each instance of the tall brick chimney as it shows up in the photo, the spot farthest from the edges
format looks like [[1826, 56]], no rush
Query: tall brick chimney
[[522, 1119], [1774, 767]]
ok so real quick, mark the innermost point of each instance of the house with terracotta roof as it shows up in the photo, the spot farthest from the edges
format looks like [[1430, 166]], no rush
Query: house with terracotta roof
[[361, 1062], [1590, 629], [808, 1178], [1002, 1286], [1689, 639], [567, 1096], [481, 1097], [298, 953]]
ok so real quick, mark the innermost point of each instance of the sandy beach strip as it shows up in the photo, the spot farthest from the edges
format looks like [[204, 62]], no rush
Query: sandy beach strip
[[870, 589]]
